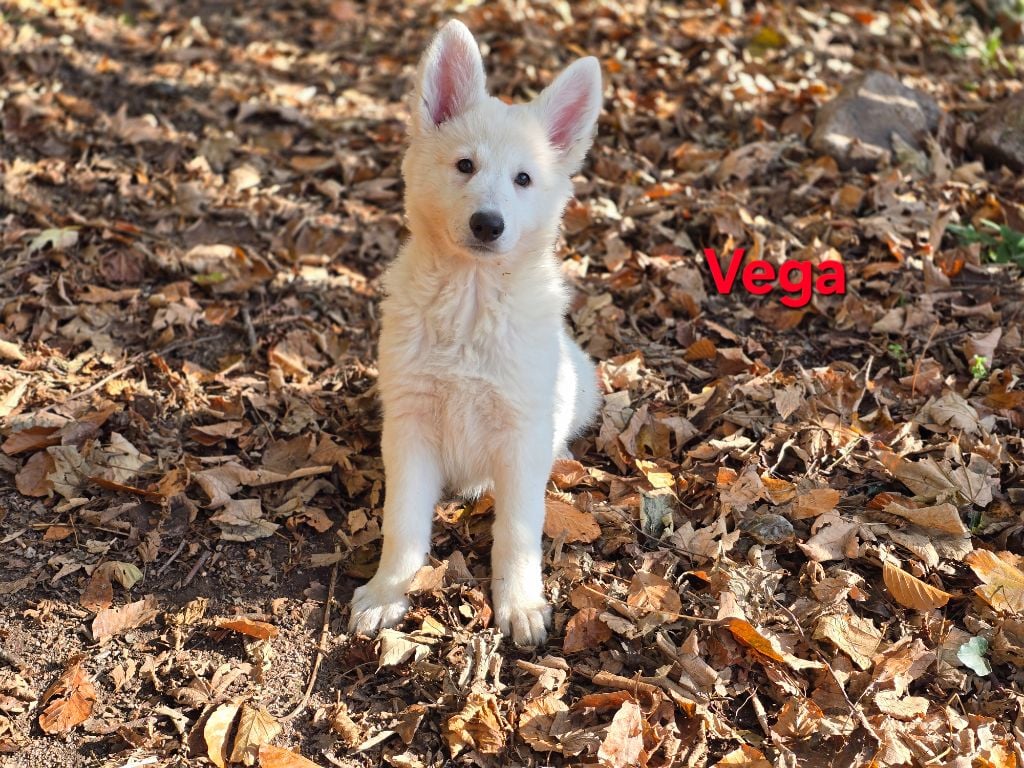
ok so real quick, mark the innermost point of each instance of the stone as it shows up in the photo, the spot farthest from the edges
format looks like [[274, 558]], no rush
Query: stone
[[1000, 133], [857, 126]]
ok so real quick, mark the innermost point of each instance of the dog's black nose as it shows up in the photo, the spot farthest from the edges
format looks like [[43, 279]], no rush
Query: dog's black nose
[[487, 226]]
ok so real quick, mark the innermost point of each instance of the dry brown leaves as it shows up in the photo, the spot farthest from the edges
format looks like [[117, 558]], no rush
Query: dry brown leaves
[[69, 700], [792, 532]]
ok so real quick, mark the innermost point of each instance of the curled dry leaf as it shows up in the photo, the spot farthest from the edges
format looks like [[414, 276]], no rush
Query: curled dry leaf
[[256, 727], [800, 718], [276, 757], [623, 743], [856, 637], [562, 518], [34, 477], [567, 473], [114, 621], [585, 631], [542, 721], [478, 726], [69, 700], [910, 591], [1003, 583], [216, 731], [941, 517], [261, 630], [650, 592], [815, 502], [242, 520], [744, 757]]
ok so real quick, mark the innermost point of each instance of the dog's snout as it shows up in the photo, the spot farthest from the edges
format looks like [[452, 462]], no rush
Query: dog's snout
[[487, 226]]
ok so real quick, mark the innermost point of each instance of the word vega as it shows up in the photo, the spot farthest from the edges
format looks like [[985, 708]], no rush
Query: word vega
[[796, 278]]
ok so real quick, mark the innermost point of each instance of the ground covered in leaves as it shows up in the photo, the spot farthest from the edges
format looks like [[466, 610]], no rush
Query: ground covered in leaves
[[794, 537]]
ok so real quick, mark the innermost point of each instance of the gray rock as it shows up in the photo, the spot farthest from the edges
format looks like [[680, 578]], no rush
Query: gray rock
[[768, 528], [1000, 136], [856, 127]]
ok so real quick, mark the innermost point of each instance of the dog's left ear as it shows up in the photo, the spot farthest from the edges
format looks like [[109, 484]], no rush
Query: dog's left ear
[[569, 107]]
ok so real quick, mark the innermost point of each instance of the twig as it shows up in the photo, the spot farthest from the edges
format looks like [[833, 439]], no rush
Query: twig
[[250, 331], [318, 656], [173, 557], [195, 569], [920, 359]]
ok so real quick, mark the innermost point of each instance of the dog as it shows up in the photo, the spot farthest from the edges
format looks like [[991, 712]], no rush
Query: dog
[[480, 382]]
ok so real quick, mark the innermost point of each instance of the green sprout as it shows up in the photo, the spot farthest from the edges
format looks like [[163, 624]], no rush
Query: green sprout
[[979, 367], [1003, 244], [899, 354]]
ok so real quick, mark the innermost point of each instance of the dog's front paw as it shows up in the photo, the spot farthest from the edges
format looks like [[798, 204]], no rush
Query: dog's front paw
[[377, 604], [526, 617]]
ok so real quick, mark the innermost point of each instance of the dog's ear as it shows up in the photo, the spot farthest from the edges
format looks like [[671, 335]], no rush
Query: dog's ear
[[450, 79], [569, 108]]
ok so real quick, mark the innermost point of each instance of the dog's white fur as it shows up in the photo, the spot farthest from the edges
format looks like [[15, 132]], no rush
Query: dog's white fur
[[481, 385]]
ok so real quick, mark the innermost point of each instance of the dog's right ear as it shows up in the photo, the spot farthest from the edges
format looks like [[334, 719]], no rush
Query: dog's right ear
[[450, 79]]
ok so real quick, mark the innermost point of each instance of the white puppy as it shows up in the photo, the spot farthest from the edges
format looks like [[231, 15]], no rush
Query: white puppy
[[481, 384]]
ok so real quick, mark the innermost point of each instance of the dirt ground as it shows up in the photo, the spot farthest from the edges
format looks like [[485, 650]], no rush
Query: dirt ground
[[793, 538]]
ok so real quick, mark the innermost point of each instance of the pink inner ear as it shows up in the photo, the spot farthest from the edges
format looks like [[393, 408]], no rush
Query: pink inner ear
[[567, 118], [452, 81]]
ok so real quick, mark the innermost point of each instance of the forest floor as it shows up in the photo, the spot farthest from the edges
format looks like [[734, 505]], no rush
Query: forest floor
[[794, 537]]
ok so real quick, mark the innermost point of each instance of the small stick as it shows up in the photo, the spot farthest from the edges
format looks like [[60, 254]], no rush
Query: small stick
[[195, 569], [250, 331], [920, 359], [173, 557], [318, 656]]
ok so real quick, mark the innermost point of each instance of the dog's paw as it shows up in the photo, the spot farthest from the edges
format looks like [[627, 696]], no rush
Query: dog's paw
[[525, 618], [376, 605]]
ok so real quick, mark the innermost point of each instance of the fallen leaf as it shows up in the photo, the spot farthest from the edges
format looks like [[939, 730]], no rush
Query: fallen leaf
[[910, 591], [57, 239], [261, 630], [972, 654], [394, 648], [585, 631], [746, 634], [623, 743], [833, 539], [256, 728], [567, 473], [33, 479], [941, 517], [216, 731], [562, 518], [478, 726], [242, 520], [650, 592], [114, 621], [31, 439], [537, 723], [908, 708], [799, 718], [69, 700], [856, 637], [213, 434], [744, 757], [814, 502], [276, 757], [1003, 586]]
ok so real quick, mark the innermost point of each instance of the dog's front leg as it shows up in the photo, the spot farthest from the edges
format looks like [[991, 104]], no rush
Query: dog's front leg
[[412, 473], [520, 606]]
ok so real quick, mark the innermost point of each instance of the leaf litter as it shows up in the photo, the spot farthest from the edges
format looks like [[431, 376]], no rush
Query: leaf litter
[[794, 537]]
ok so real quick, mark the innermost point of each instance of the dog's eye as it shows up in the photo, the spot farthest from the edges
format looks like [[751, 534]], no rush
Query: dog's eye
[[465, 165], [523, 179]]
